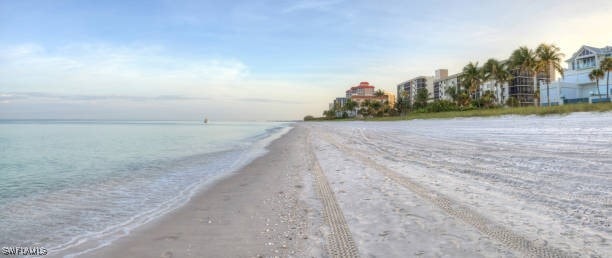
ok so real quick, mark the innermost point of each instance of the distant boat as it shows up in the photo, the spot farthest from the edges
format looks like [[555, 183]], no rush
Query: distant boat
[[206, 120]]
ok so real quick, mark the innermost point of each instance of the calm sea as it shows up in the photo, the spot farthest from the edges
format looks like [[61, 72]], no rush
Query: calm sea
[[65, 184]]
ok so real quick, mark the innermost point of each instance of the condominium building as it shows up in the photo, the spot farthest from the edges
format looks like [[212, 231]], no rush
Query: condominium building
[[500, 91], [363, 89], [575, 86], [442, 82], [406, 91], [522, 86]]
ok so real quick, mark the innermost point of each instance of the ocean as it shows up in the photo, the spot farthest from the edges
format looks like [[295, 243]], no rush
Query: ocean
[[79, 185]]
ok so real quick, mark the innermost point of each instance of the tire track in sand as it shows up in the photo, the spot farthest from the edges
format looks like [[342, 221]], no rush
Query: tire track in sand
[[505, 236], [340, 241]]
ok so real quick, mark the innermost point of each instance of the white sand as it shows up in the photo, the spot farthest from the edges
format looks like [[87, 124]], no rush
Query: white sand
[[533, 183]]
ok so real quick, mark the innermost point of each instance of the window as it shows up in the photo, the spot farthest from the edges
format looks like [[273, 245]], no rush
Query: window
[[585, 53], [584, 63]]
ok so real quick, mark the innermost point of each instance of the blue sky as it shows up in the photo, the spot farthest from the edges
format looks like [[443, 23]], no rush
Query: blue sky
[[255, 60]]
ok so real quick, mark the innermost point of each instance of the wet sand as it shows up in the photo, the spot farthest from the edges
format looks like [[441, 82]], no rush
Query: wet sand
[[255, 211]]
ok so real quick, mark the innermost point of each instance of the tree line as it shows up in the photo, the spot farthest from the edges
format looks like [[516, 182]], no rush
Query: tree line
[[542, 61]]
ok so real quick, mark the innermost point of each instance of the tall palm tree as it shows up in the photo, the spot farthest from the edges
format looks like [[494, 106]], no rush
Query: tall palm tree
[[595, 75], [503, 77], [472, 78], [606, 66], [549, 59], [525, 60], [498, 72]]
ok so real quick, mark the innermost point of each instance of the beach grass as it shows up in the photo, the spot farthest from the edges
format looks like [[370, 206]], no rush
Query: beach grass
[[524, 111]]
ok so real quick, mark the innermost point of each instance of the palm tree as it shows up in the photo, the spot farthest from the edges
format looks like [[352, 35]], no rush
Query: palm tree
[[503, 77], [472, 78], [498, 72], [379, 93], [491, 68], [525, 60], [365, 108], [376, 106], [595, 75], [549, 59], [452, 92], [606, 66], [350, 106]]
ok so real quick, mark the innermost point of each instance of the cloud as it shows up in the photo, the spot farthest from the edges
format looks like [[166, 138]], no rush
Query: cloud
[[107, 69]]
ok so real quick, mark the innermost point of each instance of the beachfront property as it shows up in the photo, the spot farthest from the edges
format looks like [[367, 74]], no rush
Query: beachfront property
[[363, 89], [359, 94], [575, 86], [523, 88], [501, 91], [442, 82], [407, 91]]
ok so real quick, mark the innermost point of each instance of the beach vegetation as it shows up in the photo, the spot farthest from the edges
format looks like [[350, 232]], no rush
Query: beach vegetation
[[472, 77], [421, 98], [528, 110], [606, 66], [549, 58], [525, 60], [309, 118], [470, 98], [595, 75], [512, 102]]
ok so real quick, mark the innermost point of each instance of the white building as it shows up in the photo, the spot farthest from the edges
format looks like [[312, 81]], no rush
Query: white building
[[443, 83], [408, 90], [575, 86]]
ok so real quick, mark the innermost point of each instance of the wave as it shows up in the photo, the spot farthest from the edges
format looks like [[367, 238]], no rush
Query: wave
[[86, 218]]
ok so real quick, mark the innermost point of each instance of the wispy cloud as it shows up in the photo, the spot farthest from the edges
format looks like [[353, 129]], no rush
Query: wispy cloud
[[106, 69]]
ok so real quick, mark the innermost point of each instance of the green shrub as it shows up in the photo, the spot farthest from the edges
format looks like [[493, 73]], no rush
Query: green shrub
[[309, 118], [441, 106]]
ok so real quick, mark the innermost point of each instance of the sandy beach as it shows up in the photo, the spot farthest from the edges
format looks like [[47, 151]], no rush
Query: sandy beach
[[257, 211], [399, 189]]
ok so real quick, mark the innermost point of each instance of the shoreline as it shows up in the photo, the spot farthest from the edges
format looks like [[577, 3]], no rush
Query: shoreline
[[222, 193], [250, 212]]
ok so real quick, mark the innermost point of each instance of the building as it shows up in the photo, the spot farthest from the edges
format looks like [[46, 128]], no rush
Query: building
[[359, 94], [386, 97], [363, 89], [443, 83], [575, 86], [522, 86], [390, 97], [406, 91], [501, 91], [440, 74]]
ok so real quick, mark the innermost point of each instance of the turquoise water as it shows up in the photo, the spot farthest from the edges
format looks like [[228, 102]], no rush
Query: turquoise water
[[65, 183]]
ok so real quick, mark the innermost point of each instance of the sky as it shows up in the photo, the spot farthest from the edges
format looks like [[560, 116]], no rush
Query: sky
[[255, 60]]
